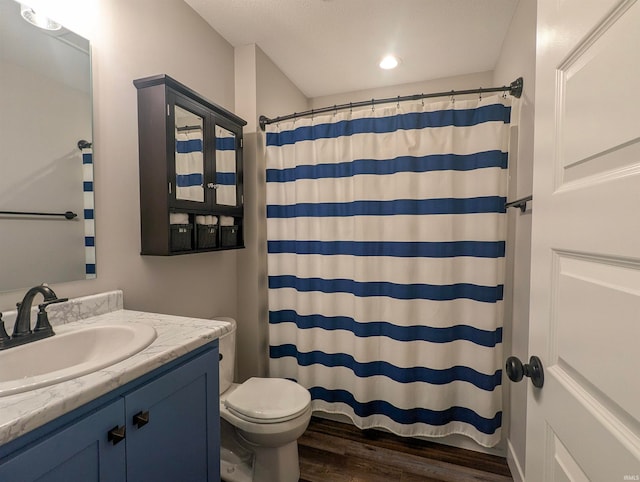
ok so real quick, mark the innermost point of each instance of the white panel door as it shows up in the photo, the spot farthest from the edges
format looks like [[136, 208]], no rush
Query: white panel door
[[584, 424]]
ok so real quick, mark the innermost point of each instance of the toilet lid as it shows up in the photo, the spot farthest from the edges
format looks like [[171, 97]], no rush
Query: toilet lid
[[268, 399]]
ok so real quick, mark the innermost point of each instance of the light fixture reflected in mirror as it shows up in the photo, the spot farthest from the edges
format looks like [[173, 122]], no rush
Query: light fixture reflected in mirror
[[38, 20]]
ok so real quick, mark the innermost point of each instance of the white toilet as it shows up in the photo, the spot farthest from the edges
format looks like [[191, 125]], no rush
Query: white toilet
[[260, 422]]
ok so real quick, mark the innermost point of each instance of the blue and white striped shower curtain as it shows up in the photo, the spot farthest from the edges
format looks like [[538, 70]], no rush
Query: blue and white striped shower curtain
[[386, 247], [225, 167], [89, 218], [189, 165]]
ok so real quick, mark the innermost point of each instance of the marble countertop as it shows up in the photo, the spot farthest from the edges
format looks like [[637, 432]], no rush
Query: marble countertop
[[176, 336]]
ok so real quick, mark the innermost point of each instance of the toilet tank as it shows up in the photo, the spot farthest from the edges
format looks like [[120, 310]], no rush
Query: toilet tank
[[227, 349]]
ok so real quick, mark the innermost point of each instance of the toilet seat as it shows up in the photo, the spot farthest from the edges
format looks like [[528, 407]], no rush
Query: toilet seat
[[268, 400], [265, 420]]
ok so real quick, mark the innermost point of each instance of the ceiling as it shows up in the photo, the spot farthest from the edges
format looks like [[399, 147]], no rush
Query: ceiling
[[328, 47]]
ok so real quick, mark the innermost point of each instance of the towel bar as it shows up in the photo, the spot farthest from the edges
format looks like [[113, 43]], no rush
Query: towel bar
[[67, 214]]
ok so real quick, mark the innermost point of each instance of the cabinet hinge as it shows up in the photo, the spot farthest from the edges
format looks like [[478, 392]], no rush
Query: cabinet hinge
[[168, 110], [169, 188], [241, 142]]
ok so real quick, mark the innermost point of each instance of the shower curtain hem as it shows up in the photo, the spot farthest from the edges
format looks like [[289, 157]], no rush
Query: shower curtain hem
[[491, 442]]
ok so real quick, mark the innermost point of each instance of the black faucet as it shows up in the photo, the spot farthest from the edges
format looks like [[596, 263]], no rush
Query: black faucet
[[22, 329]]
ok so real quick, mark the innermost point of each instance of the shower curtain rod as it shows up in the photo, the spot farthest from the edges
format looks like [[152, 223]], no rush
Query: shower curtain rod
[[188, 128], [519, 203], [514, 89]]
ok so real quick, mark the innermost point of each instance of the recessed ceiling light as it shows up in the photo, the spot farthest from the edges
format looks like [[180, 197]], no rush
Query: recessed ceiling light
[[389, 62], [38, 20]]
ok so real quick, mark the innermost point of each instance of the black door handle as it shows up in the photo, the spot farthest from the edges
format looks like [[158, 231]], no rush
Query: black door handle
[[516, 370], [140, 419], [116, 434]]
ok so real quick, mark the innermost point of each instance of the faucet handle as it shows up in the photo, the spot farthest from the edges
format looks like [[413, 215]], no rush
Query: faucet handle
[[42, 321]]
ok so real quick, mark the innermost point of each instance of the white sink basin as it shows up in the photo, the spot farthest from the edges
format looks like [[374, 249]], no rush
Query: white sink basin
[[72, 352]]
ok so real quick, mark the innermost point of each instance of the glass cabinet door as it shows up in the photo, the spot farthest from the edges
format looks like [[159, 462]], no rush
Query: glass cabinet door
[[226, 170], [189, 155]]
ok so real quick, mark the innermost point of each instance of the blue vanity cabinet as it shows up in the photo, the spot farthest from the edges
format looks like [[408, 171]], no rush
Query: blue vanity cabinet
[[78, 452], [171, 423]]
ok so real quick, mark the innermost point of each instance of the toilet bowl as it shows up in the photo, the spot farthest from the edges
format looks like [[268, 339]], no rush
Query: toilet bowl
[[261, 421]]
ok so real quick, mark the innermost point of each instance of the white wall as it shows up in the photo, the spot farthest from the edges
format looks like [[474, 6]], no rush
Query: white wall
[[132, 40], [261, 89], [518, 59]]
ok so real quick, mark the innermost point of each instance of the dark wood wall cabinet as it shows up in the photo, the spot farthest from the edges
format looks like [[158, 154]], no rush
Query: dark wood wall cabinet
[[190, 152]]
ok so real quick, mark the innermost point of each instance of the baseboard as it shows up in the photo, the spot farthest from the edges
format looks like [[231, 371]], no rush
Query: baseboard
[[458, 441], [514, 465]]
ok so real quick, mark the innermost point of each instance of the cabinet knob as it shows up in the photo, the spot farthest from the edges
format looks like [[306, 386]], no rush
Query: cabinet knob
[[140, 419], [116, 434]]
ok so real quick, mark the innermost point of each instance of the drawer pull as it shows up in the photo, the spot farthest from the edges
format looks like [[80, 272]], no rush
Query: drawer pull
[[140, 419], [116, 434]]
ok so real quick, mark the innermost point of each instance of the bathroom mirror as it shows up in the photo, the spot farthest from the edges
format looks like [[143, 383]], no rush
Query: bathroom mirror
[[46, 175]]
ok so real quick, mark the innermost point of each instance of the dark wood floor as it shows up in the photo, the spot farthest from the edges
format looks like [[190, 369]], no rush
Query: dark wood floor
[[337, 452]]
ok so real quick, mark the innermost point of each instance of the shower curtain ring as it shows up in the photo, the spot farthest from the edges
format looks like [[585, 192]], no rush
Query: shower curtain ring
[[398, 104], [480, 93], [422, 95], [372, 106], [453, 99], [350, 108], [335, 110]]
